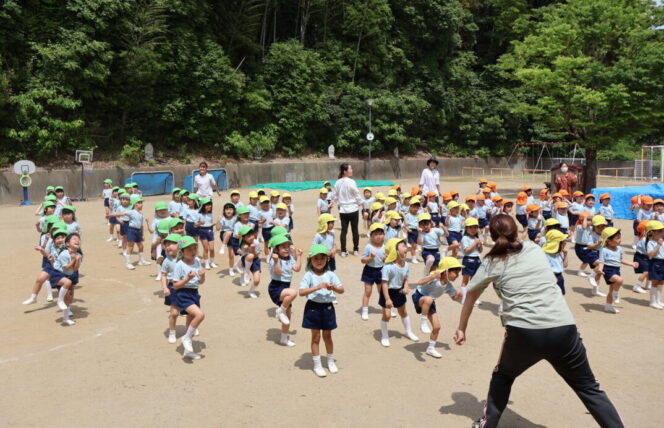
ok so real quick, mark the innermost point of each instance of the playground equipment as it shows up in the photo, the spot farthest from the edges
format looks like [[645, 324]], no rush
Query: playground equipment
[[472, 170], [83, 158], [24, 168], [539, 162], [649, 168], [623, 172]]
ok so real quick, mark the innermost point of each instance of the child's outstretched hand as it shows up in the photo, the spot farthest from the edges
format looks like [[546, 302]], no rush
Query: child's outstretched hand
[[299, 252], [38, 248], [275, 257]]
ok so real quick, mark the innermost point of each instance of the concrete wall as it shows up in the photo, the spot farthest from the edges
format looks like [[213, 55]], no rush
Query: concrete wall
[[244, 174]]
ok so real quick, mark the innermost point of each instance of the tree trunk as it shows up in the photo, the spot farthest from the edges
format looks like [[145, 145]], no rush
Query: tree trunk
[[590, 172]]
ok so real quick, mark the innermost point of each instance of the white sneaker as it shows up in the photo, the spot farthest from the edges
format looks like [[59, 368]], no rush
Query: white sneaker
[[344, 254], [171, 338], [592, 281], [68, 322], [281, 315], [110, 238], [414, 260], [207, 265], [144, 263], [633, 247], [186, 343], [62, 305], [616, 300], [412, 336], [424, 326], [253, 295], [656, 305], [32, 300], [479, 302], [320, 372], [222, 250], [231, 272], [332, 367], [596, 292], [365, 315], [158, 277], [191, 355], [610, 309], [638, 289], [355, 253], [648, 285], [197, 333], [130, 266], [213, 265], [393, 314], [385, 342], [432, 351], [119, 244], [287, 342], [583, 273], [49, 297]]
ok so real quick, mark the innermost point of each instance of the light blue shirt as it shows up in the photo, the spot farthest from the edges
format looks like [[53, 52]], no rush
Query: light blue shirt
[[611, 257], [285, 222], [62, 260], [267, 216], [520, 209], [114, 205], [182, 270], [545, 205], [534, 223], [323, 206], [431, 239], [411, 221], [556, 262], [207, 219], [253, 212], [645, 215], [592, 210], [576, 208], [189, 214], [455, 224], [478, 212], [531, 199], [443, 210], [74, 227], [395, 275], [466, 242], [246, 251], [433, 207], [286, 269], [168, 267], [326, 239], [123, 209], [584, 237], [660, 252], [435, 289], [226, 224], [238, 205], [377, 261], [238, 225], [641, 247], [562, 219], [311, 280], [106, 193], [606, 211], [174, 207], [391, 233], [135, 219], [366, 203]]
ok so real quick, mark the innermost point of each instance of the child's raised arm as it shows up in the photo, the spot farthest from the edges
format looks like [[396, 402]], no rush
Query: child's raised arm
[[147, 221], [298, 260]]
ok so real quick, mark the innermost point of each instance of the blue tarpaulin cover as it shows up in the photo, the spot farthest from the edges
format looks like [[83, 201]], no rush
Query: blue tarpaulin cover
[[153, 183], [621, 197]]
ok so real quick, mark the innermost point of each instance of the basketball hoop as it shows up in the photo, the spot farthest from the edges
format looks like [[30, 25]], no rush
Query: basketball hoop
[[87, 167], [84, 158]]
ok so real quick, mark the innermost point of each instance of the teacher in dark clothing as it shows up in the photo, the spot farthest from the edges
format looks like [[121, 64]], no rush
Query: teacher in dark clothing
[[349, 201]]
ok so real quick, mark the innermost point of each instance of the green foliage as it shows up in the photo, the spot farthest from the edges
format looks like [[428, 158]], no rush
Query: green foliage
[[132, 152]]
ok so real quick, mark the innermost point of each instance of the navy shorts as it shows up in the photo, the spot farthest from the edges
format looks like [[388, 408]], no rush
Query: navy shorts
[[397, 297], [134, 235], [365, 211], [609, 222], [123, 229], [46, 265], [532, 234], [522, 219], [586, 255], [267, 234], [170, 300], [206, 233], [106, 204], [442, 219], [190, 229], [609, 271], [643, 262], [412, 236], [185, 297], [471, 264], [573, 218], [255, 264], [435, 219], [255, 223], [291, 224], [372, 275], [235, 244], [416, 302], [563, 230], [332, 264], [453, 237], [55, 276], [221, 236], [319, 316], [546, 214], [483, 222], [113, 220], [274, 290], [635, 225], [435, 253], [560, 280], [656, 270]]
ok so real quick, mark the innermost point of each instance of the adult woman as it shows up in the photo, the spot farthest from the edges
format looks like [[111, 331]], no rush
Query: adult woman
[[538, 325], [204, 183], [349, 200], [430, 178]]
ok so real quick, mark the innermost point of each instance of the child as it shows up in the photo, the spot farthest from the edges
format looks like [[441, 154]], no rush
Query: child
[[390, 204], [453, 223], [253, 209], [282, 266], [367, 200], [545, 204], [592, 250], [160, 213], [641, 258], [176, 226], [376, 213], [287, 200], [410, 226], [534, 221], [589, 204], [605, 209], [433, 208], [174, 205], [69, 218], [265, 218], [655, 247], [372, 259], [471, 247], [521, 214], [225, 225], [403, 209], [281, 217], [106, 193], [429, 237], [50, 246], [443, 208], [235, 199], [428, 290], [61, 200], [325, 236], [134, 233], [236, 239], [576, 207], [120, 214], [323, 205], [250, 259], [319, 285], [190, 216], [556, 255], [162, 230], [560, 214], [64, 275], [392, 225], [274, 200], [188, 276], [113, 225], [184, 205], [481, 213], [167, 269], [395, 288], [529, 194], [610, 259], [204, 224], [643, 211]]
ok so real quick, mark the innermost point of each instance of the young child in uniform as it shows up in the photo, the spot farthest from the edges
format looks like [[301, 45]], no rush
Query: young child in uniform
[[253, 210], [545, 204], [61, 201], [430, 239], [281, 217], [481, 213], [454, 225], [405, 206], [575, 208], [265, 218], [64, 275], [535, 221], [643, 211], [204, 224], [106, 193], [392, 224], [367, 200], [319, 286], [174, 204], [225, 225], [521, 214], [641, 259], [287, 200], [376, 212], [471, 248], [529, 194], [560, 214], [394, 288], [51, 243], [589, 204], [655, 247], [323, 205], [282, 265], [325, 236], [167, 268], [372, 258], [235, 199], [428, 290], [160, 213], [605, 209], [134, 233], [120, 214], [69, 218], [433, 208], [190, 216], [610, 259], [250, 259], [162, 229], [586, 244], [274, 200], [556, 255], [410, 226], [188, 276]]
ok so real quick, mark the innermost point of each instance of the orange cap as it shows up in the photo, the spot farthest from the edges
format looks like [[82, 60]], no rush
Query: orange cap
[[642, 227], [577, 193], [521, 198], [493, 185], [486, 190], [557, 195], [590, 195], [604, 196], [431, 193], [526, 188], [396, 187], [532, 207], [470, 198], [508, 201], [565, 192], [453, 192], [415, 190], [561, 205], [544, 192], [658, 201], [480, 197], [497, 198], [483, 180], [447, 196]]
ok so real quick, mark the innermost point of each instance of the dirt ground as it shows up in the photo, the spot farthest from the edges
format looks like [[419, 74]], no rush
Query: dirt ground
[[115, 367]]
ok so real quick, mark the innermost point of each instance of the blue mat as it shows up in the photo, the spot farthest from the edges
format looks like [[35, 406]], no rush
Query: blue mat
[[295, 186], [621, 197], [153, 183]]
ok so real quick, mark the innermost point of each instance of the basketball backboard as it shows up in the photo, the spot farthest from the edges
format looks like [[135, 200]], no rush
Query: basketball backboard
[[24, 167], [83, 156]]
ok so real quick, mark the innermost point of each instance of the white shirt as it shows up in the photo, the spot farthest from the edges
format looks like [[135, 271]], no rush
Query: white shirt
[[429, 181], [204, 185], [348, 196]]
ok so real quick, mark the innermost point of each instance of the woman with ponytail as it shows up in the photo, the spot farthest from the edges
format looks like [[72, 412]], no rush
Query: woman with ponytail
[[538, 324]]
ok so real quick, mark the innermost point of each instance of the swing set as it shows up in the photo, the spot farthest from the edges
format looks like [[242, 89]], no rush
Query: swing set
[[542, 165]]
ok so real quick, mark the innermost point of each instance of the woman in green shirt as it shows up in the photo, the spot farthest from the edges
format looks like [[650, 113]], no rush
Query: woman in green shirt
[[538, 325]]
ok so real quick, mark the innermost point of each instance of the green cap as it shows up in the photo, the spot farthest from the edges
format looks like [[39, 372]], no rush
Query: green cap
[[123, 194], [51, 219], [204, 201], [278, 240], [127, 185], [59, 225], [134, 184], [317, 249], [48, 204], [193, 197], [245, 229], [173, 237], [164, 226], [242, 210], [161, 205], [183, 192], [50, 198], [278, 230], [57, 232], [135, 198], [108, 181], [115, 189], [50, 189], [69, 208], [176, 189], [59, 188], [185, 242], [175, 221]]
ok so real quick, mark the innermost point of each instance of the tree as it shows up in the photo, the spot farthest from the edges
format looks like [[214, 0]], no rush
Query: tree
[[592, 72]]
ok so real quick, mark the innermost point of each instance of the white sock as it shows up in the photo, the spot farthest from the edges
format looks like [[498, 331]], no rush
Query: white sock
[[252, 288], [317, 364], [190, 332], [66, 314], [330, 358], [432, 344], [49, 289], [61, 294], [406, 324], [33, 296], [615, 295], [127, 258], [427, 265], [141, 258], [365, 309], [383, 329], [284, 337], [171, 333]]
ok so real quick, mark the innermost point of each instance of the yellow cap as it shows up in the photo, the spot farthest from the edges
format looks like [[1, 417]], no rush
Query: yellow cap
[[452, 204], [405, 195], [654, 225], [390, 201], [253, 194], [551, 222], [391, 249], [282, 206], [375, 206], [392, 192], [323, 190], [447, 263], [379, 195], [264, 199], [463, 207], [376, 226], [553, 240], [609, 232], [416, 200], [367, 188], [424, 217], [472, 221], [323, 220], [392, 215], [235, 192], [274, 193], [599, 220], [286, 195]]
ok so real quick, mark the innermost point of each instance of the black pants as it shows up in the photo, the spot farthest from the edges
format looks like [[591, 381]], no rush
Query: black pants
[[352, 218], [563, 349]]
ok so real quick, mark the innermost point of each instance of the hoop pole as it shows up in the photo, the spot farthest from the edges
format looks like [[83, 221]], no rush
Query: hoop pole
[[26, 199]]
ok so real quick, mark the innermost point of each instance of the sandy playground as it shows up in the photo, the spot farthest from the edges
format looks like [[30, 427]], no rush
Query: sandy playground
[[115, 367]]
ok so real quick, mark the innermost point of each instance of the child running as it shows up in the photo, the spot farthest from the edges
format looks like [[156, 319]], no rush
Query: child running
[[325, 236], [170, 245], [655, 247], [64, 275], [641, 259], [556, 255], [372, 257], [610, 259], [282, 266], [204, 223]]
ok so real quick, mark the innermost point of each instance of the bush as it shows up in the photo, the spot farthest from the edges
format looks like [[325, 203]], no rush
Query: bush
[[132, 152]]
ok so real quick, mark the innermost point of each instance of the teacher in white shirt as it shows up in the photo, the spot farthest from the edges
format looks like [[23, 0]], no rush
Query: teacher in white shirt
[[204, 183], [349, 201], [430, 178]]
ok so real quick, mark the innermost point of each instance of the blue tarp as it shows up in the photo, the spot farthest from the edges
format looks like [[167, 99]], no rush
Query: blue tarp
[[621, 197], [296, 186], [218, 174], [153, 183]]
